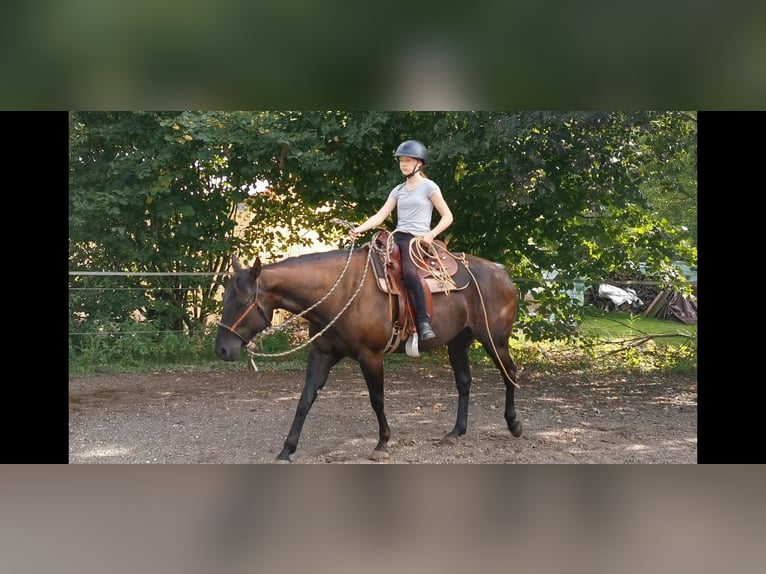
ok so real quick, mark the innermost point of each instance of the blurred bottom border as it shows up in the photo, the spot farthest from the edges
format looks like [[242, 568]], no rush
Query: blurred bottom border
[[379, 518]]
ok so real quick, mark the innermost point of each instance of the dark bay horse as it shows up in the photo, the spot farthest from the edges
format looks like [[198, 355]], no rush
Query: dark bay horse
[[337, 294]]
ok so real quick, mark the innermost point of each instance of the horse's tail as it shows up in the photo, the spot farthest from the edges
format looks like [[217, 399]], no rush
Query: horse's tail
[[515, 288], [519, 298]]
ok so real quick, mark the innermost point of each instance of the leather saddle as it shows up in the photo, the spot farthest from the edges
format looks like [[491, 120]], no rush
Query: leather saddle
[[439, 272]]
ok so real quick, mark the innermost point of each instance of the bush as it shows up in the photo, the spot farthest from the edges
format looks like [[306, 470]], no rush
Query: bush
[[603, 343]]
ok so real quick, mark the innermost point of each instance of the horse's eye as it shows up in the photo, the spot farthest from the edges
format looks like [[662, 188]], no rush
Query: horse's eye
[[242, 304]]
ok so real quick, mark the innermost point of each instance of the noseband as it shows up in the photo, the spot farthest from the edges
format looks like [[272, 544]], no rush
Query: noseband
[[255, 304]]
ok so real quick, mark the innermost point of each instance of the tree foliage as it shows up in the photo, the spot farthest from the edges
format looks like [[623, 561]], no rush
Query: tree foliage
[[584, 193]]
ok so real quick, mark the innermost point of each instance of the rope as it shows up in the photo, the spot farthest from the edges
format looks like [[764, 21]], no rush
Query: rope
[[418, 254], [486, 323], [251, 344], [322, 300]]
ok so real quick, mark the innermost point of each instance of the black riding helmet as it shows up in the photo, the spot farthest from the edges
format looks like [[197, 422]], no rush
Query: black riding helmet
[[412, 148]]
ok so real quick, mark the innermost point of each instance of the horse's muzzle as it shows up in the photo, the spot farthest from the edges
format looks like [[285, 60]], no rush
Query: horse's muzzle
[[226, 353]]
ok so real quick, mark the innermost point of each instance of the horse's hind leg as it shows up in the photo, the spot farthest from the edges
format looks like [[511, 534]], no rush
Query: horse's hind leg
[[458, 358], [507, 367], [319, 365], [372, 369]]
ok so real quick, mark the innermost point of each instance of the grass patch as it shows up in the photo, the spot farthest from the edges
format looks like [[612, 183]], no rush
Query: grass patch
[[620, 326]]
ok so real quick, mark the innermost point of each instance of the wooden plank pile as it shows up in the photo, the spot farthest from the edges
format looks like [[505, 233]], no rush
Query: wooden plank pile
[[659, 305], [672, 305], [656, 303]]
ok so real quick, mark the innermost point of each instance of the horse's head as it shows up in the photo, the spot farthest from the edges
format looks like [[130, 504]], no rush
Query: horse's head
[[243, 314]]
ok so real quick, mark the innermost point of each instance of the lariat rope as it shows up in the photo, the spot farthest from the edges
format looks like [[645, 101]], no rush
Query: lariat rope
[[486, 323], [418, 252]]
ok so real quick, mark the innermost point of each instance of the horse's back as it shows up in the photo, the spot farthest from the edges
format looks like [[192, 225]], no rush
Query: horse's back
[[493, 274]]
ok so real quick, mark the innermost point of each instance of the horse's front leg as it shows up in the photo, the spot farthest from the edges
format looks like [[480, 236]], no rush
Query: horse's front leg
[[319, 365], [458, 357], [372, 369]]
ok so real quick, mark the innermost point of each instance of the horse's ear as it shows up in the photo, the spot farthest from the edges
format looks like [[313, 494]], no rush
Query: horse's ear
[[256, 269], [235, 263]]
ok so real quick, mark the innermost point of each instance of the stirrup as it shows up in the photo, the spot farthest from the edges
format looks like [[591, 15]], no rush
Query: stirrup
[[411, 346]]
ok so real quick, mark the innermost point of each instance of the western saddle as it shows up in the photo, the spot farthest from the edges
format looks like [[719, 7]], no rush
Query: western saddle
[[438, 270]]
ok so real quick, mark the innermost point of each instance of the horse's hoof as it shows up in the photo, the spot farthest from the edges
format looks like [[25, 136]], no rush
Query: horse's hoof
[[449, 439], [284, 457], [516, 428], [379, 455]]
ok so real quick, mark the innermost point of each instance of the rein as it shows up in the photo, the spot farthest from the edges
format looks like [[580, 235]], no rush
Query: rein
[[251, 345]]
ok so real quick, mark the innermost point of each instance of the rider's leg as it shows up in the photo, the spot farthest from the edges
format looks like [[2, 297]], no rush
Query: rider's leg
[[414, 287]]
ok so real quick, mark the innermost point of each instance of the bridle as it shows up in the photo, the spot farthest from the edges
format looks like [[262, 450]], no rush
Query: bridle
[[255, 304]]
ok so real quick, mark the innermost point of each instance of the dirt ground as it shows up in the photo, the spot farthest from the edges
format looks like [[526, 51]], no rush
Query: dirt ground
[[233, 415]]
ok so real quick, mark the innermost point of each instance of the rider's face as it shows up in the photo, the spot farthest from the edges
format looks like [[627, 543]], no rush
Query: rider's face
[[407, 164]]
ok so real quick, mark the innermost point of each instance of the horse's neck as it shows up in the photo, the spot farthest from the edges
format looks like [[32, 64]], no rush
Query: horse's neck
[[298, 283]]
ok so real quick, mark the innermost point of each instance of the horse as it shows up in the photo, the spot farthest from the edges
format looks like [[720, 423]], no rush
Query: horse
[[350, 316]]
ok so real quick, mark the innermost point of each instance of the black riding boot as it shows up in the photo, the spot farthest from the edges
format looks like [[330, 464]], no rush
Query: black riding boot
[[424, 321], [426, 332]]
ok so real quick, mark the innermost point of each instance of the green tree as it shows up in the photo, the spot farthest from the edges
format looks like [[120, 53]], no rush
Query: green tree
[[145, 195], [670, 186], [579, 192]]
